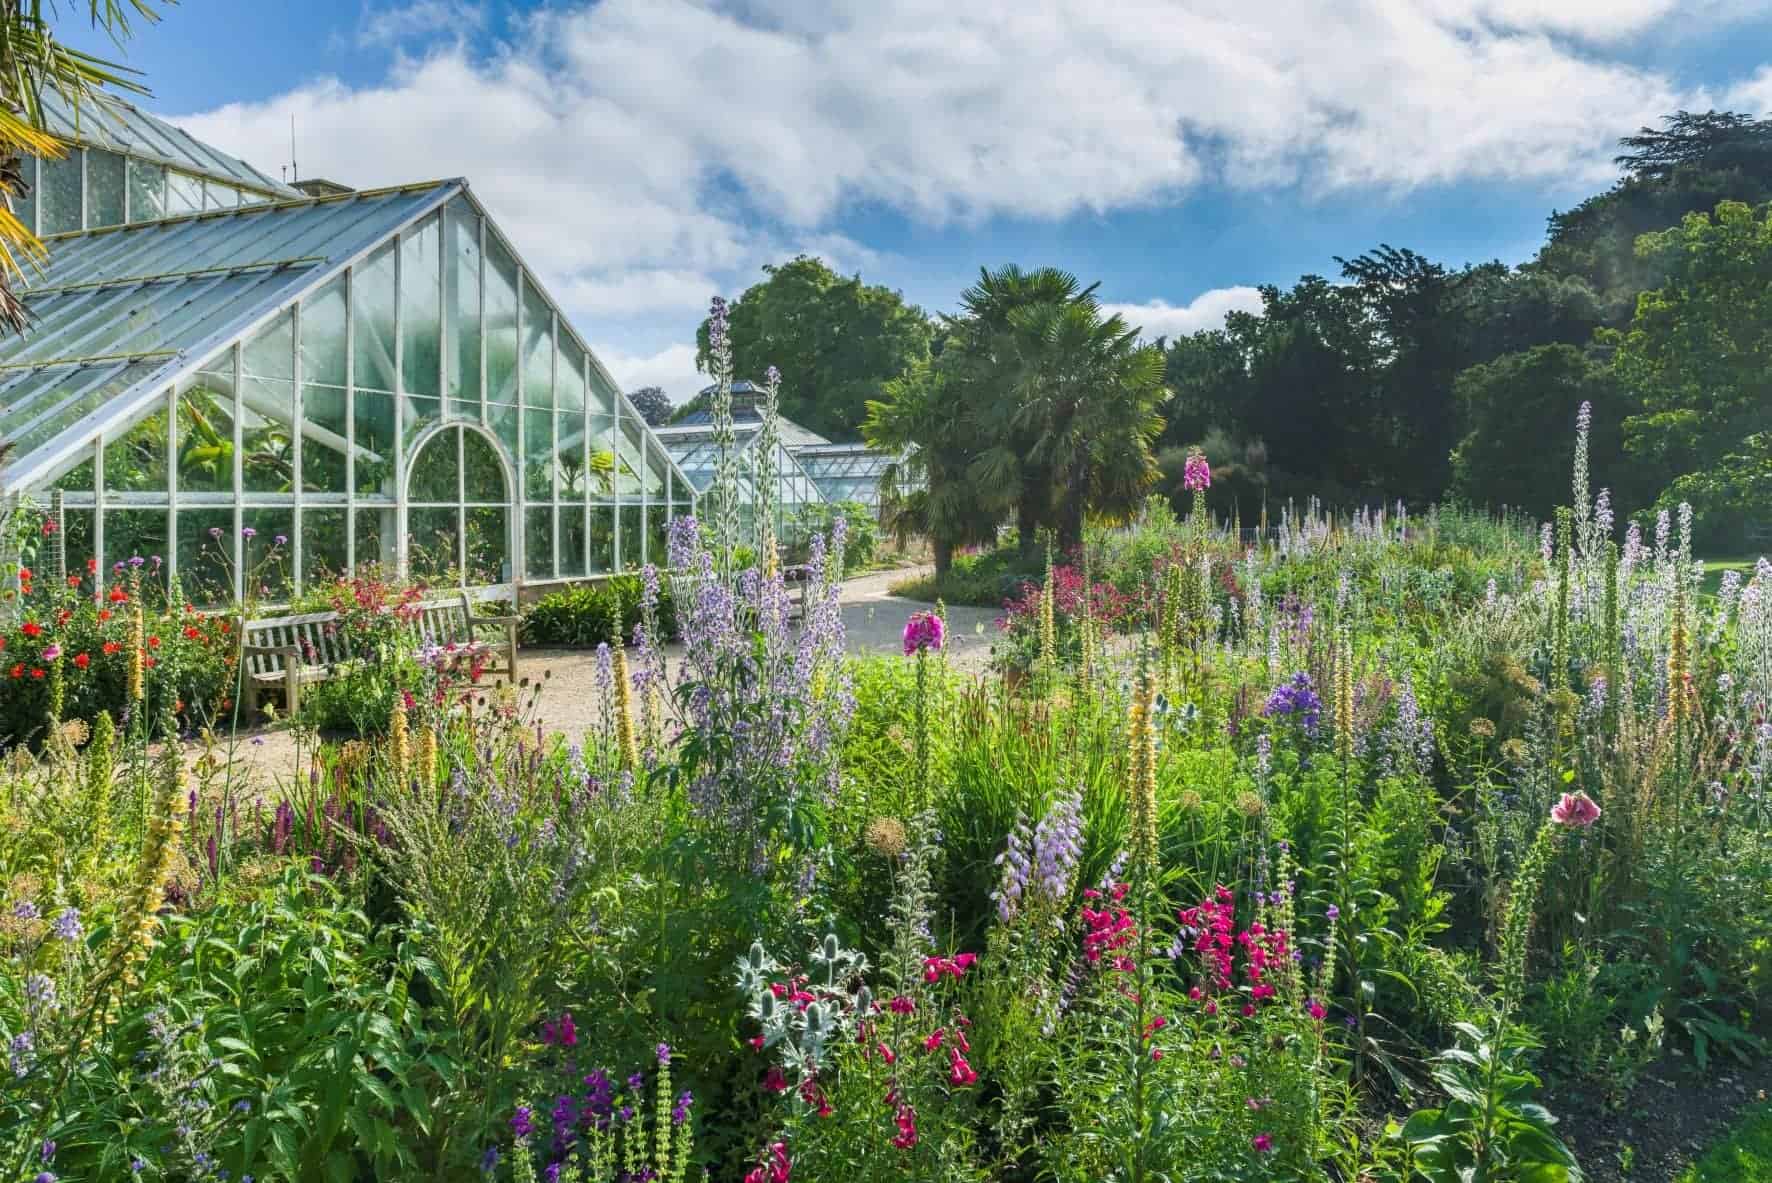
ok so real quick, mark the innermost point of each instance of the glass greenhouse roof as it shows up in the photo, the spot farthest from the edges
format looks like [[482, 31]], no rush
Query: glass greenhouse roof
[[109, 122], [117, 313], [696, 455], [846, 472]]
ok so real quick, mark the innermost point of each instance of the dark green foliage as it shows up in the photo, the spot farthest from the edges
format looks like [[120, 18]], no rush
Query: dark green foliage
[[590, 614], [1520, 410], [836, 340]]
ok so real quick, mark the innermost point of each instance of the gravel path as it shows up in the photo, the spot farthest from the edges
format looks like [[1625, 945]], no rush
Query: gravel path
[[873, 622]]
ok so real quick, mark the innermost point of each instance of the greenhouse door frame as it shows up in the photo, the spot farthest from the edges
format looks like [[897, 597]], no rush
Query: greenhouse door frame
[[513, 511]]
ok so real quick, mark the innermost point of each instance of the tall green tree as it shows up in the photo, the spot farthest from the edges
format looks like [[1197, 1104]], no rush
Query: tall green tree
[[33, 60], [1698, 353], [1520, 446], [836, 340]]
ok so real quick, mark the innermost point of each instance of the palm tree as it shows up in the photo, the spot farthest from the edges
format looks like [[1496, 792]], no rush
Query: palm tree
[[1067, 398], [32, 60], [931, 492]]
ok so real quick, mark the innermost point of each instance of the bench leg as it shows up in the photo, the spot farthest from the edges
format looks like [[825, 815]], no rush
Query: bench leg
[[292, 693]]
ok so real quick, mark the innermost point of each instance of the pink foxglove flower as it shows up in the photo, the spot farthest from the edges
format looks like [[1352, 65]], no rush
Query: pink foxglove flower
[[922, 631], [1575, 810], [1196, 477]]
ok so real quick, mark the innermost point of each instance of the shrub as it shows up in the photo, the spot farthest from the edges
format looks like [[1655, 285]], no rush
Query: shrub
[[590, 614]]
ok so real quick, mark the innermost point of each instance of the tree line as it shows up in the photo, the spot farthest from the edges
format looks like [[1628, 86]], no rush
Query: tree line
[[1397, 378]]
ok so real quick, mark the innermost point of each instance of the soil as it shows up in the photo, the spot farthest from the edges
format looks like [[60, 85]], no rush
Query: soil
[[1672, 1117]]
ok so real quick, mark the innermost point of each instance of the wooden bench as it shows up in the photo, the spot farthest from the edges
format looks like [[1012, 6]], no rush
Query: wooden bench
[[282, 654]]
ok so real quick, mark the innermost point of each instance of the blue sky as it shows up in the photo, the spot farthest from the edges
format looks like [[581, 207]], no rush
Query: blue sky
[[645, 154]]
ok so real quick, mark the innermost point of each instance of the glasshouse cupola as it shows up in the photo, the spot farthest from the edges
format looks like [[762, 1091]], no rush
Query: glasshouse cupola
[[215, 361]]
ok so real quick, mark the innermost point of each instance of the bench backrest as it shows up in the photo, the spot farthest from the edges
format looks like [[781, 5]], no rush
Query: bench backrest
[[316, 634], [441, 622]]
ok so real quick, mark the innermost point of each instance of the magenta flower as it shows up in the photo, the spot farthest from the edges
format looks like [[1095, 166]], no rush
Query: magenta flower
[[51, 652], [1575, 810], [1196, 477], [1262, 1143], [922, 631]]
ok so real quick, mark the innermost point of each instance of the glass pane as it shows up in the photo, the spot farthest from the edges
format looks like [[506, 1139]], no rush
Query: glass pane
[[420, 414], [375, 539], [136, 461], [658, 522], [59, 184], [483, 475], [323, 546], [323, 317], [206, 555], [538, 349], [420, 327], [503, 421], [569, 451], [267, 412], [435, 475], [602, 456], [104, 188], [323, 438], [432, 544], [373, 445], [602, 391], [217, 196], [538, 543], [501, 323], [629, 443], [206, 436], [572, 540], [461, 308], [77, 539], [372, 319], [267, 554], [184, 194], [76, 480], [538, 449], [632, 532], [147, 191], [602, 539], [569, 379], [135, 533], [489, 552]]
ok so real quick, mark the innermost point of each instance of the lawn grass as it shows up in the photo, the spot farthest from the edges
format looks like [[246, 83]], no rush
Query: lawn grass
[[1745, 1156], [1714, 568]]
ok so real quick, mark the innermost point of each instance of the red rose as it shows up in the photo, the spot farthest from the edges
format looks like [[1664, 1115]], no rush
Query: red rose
[[31, 629], [36, 673], [111, 647], [82, 660]]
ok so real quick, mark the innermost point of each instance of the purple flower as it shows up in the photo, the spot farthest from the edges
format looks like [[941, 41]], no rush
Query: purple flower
[[247, 532], [1295, 698], [636, 1082], [25, 910], [522, 1122], [560, 1032], [51, 652], [489, 1160], [664, 1054], [282, 540], [680, 1111], [67, 925], [136, 561], [1333, 913], [215, 531]]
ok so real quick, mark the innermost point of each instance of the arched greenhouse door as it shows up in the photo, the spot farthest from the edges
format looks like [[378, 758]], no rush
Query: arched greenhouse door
[[458, 510]]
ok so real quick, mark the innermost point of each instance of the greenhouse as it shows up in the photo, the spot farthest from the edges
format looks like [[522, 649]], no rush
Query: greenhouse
[[695, 452], [846, 472], [374, 377]]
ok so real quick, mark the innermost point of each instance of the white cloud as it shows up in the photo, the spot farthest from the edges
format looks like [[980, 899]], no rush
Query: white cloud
[[1753, 95], [1205, 311], [672, 368], [402, 24], [640, 150]]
